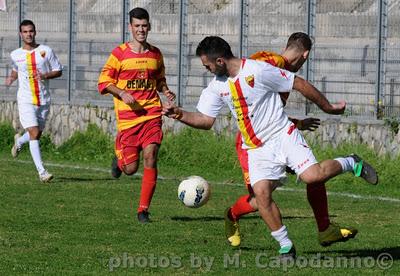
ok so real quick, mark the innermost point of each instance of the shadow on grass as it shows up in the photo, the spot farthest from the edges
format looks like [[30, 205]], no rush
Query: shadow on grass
[[214, 218], [374, 253], [80, 179]]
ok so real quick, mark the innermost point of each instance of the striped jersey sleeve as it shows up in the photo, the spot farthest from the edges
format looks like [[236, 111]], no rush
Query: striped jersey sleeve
[[271, 58]]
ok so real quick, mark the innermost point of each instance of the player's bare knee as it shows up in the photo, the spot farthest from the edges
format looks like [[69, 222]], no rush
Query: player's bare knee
[[313, 175], [263, 197], [150, 156], [149, 162], [130, 168], [310, 180], [34, 133]]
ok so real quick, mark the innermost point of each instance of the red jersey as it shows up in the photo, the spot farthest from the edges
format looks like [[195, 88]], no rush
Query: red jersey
[[140, 74]]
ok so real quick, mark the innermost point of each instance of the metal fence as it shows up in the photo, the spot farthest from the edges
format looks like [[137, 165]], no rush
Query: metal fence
[[356, 54]]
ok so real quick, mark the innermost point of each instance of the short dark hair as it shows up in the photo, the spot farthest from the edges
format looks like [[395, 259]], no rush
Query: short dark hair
[[138, 13], [214, 47], [26, 22], [300, 41]]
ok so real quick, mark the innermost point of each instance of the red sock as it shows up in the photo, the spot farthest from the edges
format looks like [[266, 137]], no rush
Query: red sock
[[316, 195], [148, 186], [241, 207]]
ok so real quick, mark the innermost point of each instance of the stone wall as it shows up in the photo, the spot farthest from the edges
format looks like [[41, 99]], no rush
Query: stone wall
[[64, 120]]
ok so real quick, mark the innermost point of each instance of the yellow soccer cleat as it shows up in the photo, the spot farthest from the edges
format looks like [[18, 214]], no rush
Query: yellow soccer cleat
[[335, 233], [232, 232]]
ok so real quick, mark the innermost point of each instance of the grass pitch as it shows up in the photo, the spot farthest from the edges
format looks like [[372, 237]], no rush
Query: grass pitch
[[84, 222]]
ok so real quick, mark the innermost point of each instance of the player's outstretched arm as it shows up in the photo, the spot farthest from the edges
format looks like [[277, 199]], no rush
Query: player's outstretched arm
[[312, 93], [193, 119]]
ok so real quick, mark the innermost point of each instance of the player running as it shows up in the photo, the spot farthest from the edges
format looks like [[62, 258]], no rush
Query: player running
[[33, 65], [133, 74]]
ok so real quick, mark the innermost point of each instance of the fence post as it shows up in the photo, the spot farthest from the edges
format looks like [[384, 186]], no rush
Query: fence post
[[21, 16], [125, 20], [380, 64], [71, 43], [1, 48], [364, 61], [182, 49], [323, 85], [244, 28], [311, 15], [391, 96]]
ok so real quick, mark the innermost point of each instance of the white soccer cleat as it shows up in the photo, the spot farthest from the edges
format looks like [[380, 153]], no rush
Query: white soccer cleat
[[15, 149], [45, 176]]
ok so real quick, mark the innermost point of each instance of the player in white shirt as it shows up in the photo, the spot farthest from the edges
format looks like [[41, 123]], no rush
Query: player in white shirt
[[250, 89], [33, 65]]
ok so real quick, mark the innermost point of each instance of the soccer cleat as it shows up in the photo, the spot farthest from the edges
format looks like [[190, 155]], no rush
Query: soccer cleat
[[232, 232], [115, 170], [364, 170], [334, 233], [287, 253], [143, 217], [15, 148], [45, 176]]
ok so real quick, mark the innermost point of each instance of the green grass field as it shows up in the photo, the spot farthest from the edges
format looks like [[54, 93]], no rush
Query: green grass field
[[84, 222]]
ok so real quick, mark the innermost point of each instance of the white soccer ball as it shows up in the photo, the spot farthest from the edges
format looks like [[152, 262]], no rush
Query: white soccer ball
[[194, 191]]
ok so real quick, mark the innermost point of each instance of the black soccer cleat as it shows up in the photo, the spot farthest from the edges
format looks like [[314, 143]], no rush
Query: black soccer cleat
[[364, 170], [115, 170], [290, 170], [287, 254], [143, 217]]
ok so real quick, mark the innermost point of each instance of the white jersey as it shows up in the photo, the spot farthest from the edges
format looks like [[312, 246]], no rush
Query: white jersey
[[29, 63], [253, 98]]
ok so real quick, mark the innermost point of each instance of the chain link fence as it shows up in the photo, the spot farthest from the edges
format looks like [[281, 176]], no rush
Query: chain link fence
[[356, 54]]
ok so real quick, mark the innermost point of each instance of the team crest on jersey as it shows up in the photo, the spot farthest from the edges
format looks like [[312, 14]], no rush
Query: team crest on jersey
[[43, 53], [141, 74], [250, 80]]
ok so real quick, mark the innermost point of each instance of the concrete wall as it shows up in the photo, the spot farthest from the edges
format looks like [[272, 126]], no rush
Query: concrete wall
[[64, 120]]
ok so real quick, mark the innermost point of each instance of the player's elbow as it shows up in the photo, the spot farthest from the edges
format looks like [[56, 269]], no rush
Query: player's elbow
[[207, 122], [59, 74], [103, 88]]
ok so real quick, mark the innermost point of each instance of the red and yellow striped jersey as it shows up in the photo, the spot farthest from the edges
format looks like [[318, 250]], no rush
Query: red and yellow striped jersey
[[141, 75], [272, 58]]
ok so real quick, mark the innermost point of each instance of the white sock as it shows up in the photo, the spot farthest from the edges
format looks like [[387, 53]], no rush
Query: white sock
[[347, 163], [36, 156], [281, 235], [23, 139]]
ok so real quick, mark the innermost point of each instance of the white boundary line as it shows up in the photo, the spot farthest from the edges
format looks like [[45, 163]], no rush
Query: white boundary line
[[350, 195]]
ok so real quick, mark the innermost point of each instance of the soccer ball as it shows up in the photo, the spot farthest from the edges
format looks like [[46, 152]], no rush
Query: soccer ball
[[194, 191]]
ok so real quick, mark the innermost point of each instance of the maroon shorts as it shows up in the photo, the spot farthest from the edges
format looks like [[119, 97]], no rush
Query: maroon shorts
[[130, 142]]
